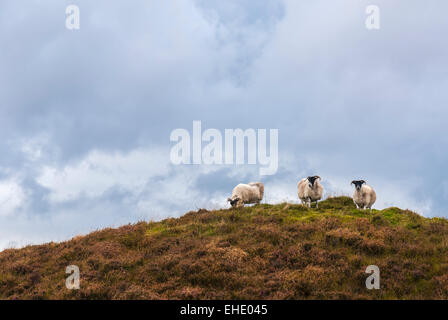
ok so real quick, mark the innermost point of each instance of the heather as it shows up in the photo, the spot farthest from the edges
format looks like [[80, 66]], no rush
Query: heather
[[282, 251]]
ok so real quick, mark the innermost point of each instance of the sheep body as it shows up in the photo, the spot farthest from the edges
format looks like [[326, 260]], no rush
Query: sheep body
[[310, 190], [246, 194], [364, 196]]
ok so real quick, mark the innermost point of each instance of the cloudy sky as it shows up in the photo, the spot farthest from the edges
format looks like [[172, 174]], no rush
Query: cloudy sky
[[86, 115]]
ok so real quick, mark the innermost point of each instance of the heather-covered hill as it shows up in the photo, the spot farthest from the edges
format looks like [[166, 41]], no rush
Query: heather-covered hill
[[283, 251]]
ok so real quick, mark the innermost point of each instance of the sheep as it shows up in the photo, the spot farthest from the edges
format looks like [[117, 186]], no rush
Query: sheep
[[310, 190], [364, 196], [246, 194]]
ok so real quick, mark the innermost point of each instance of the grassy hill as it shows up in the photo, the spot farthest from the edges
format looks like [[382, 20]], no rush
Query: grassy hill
[[283, 251]]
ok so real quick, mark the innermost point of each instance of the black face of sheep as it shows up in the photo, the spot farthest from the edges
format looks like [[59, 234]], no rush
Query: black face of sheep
[[312, 179], [358, 184], [233, 202]]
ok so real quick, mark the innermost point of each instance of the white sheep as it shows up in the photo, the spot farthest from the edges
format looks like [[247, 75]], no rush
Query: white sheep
[[246, 193], [310, 190], [364, 196]]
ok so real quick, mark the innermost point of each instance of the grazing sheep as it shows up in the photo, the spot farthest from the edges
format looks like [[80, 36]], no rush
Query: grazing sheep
[[310, 190], [364, 196], [246, 193]]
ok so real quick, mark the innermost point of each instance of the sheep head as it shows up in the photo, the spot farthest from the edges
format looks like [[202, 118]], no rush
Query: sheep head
[[234, 201], [358, 184], [312, 179]]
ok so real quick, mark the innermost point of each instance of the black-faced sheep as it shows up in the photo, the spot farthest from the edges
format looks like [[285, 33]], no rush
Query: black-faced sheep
[[364, 196], [310, 190], [246, 193]]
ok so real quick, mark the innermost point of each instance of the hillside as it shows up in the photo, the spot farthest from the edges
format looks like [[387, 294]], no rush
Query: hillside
[[283, 251]]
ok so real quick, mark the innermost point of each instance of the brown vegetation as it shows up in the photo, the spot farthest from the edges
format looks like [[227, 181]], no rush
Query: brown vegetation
[[266, 251]]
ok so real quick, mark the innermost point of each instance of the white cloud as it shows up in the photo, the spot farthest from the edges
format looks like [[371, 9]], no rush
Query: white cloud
[[12, 196], [99, 171]]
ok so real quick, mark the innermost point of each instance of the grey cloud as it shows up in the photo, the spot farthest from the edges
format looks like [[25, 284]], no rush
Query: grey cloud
[[348, 102]]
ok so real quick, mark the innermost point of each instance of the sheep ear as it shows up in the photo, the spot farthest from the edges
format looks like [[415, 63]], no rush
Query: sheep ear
[[362, 181], [353, 182], [317, 177]]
